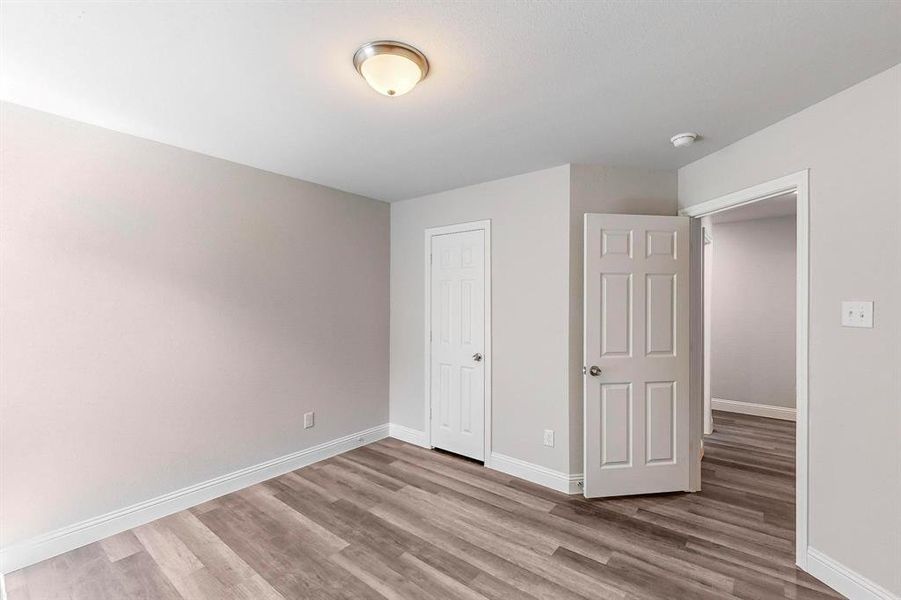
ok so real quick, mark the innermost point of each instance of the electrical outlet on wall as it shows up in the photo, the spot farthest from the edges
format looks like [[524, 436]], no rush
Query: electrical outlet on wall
[[308, 420], [549, 437], [857, 314]]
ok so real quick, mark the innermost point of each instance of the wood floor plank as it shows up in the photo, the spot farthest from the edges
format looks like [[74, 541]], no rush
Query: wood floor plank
[[371, 570], [238, 579], [142, 579], [512, 549], [392, 520], [169, 552], [436, 582], [121, 545], [293, 568], [523, 580]]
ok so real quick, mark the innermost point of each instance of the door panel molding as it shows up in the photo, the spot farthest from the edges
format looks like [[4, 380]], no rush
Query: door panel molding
[[636, 406], [486, 361]]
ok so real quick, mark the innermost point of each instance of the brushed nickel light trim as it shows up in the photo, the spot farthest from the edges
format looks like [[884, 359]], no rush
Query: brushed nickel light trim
[[390, 47], [371, 49]]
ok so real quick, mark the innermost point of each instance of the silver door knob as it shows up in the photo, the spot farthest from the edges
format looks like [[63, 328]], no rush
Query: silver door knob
[[594, 371], [477, 357]]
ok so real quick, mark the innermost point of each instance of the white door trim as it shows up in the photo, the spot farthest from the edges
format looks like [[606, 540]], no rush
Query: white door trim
[[798, 183], [429, 234], [696, 356]]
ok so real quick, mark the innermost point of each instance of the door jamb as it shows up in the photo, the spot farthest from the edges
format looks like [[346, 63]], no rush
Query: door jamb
[[798, 183], [431, 232]]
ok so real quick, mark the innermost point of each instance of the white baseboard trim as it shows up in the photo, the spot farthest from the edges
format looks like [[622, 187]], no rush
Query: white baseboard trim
[[562, 482], [843, 580], [408, 434], [751, 408], [74, 536]]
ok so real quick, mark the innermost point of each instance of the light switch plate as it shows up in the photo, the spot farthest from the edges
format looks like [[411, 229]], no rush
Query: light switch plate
[[857, 314]]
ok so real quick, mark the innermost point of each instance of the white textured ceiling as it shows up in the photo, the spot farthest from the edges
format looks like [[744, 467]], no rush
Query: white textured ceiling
[[514, 86]]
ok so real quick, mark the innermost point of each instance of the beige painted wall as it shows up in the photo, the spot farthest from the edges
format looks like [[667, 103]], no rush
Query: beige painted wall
[[530, 244], [168, 317], [752, 345], [851, 143], [612, 190]]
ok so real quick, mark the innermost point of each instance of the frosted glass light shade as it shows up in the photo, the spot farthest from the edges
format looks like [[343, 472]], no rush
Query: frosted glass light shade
[[391, 74], [391, 68]]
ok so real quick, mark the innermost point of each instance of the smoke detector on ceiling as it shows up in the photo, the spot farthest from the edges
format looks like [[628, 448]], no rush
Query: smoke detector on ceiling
[[681, 140]]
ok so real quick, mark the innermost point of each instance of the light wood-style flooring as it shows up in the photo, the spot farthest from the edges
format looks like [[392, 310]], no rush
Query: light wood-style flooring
[[392, 520]]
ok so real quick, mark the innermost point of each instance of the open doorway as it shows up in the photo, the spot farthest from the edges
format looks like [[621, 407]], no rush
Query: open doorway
[[750, 256], [752, 296]]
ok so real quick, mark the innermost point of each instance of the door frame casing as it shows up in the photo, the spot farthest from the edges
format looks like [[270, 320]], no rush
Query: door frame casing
[[798, 183], [430, 232]]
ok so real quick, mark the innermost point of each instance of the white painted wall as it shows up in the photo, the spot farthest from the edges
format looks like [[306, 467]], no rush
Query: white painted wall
[[851, 143], [611, 190], [752, 342], [168, 318], [530, 285]]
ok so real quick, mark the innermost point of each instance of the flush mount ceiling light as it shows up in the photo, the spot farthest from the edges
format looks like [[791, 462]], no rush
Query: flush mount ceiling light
[[391, 68], [684, 139]]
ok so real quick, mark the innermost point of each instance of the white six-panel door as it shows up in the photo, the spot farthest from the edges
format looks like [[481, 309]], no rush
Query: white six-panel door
[[636, 354], [457, 319]]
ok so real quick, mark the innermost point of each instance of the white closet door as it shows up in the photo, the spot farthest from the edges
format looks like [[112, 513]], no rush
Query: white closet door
[[457, 343]]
